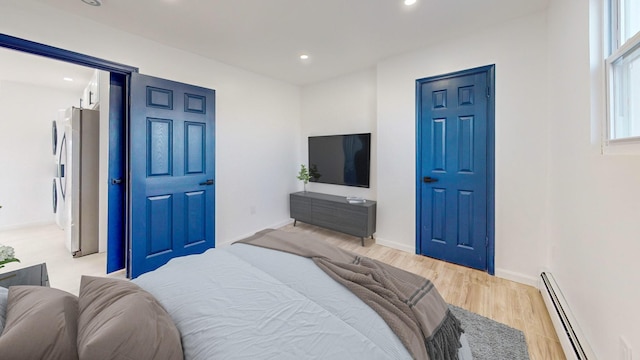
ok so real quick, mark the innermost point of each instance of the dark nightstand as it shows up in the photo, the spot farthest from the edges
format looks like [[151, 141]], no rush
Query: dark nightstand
[[31, 275]]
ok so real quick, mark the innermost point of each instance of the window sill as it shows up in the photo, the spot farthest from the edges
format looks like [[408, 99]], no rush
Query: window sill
[[627, 146]]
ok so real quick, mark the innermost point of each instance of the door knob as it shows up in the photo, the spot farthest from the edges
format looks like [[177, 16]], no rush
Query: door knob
[[116, 181], [429, 179], [208, 182]]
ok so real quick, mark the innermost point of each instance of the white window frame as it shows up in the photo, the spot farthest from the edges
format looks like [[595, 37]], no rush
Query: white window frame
[[616, 51]]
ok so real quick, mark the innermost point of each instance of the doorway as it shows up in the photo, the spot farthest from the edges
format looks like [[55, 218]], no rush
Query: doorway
[[455, 167], [116, 78], [142, 126], [39, 189]]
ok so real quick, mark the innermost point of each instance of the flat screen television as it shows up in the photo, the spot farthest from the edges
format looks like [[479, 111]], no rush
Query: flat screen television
[[340, 159]]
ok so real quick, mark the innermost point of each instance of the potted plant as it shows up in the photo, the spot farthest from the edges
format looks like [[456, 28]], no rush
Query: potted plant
[[7, 255], [304, 176]]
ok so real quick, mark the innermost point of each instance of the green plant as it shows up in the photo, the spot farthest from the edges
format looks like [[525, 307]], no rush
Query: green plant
[[304, 174]]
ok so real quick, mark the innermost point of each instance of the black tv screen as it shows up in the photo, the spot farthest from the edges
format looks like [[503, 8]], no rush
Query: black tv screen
[[340, 159]]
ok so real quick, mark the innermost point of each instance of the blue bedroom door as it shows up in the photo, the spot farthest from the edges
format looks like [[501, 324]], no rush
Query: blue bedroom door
[[453, 168], [172, 164]]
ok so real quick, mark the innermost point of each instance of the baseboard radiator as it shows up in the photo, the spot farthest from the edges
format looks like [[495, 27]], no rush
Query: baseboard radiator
[[573, 342]]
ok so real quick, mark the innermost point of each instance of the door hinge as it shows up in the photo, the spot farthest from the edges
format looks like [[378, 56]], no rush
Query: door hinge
[[488, 91], [486, 241]]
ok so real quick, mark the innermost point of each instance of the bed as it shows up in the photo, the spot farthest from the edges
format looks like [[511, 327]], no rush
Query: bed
[[245, 301]]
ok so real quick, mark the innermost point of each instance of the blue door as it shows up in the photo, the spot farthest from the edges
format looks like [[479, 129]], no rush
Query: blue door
[[116, 215], [453, 168], [172, 152]]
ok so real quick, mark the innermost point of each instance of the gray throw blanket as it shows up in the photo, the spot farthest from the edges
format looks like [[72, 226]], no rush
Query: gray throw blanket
[[409, 303]]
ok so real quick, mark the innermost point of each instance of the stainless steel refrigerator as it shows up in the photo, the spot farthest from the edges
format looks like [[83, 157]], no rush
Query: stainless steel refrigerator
[[82, 135]]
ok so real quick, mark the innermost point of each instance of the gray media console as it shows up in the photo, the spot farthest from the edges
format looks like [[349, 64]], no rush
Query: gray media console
[[334, 213]]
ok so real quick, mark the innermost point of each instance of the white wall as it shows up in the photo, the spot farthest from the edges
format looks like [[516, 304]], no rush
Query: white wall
[[595, 198], [519, 51], [341, 106], [27, 165], [257, 119]]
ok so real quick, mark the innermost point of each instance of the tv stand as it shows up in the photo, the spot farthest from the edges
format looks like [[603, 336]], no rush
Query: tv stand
[[334, 213]]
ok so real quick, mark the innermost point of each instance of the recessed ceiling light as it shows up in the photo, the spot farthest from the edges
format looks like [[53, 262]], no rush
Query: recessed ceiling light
[[304, 57], [406, 2], [67, 79], [93, 2]]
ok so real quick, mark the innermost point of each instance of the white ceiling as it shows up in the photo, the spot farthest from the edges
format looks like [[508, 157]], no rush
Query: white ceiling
[[267, 36]]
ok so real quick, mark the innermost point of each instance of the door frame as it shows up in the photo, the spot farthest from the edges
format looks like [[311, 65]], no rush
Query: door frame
[[118, 119], [489, 70]]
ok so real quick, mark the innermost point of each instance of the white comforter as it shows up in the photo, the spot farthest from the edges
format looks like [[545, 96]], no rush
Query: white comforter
[[246, 302]]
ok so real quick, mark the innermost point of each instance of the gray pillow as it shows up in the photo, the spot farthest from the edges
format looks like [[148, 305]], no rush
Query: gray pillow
[[119, 320], [41, 324], [4, 293]]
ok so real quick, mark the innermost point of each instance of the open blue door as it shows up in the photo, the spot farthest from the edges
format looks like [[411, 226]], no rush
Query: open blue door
[[454, 168], [116, 249], [172, 163]]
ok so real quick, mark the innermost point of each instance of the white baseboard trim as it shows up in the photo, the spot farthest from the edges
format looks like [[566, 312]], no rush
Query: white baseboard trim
[[25, 225], [395, 245], [517, 277]]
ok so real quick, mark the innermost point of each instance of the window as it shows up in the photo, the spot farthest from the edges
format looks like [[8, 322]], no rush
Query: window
[[629, 15], [623, 71]]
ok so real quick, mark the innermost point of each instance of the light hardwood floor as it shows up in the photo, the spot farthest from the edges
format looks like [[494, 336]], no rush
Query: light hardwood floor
[[516, 305]]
